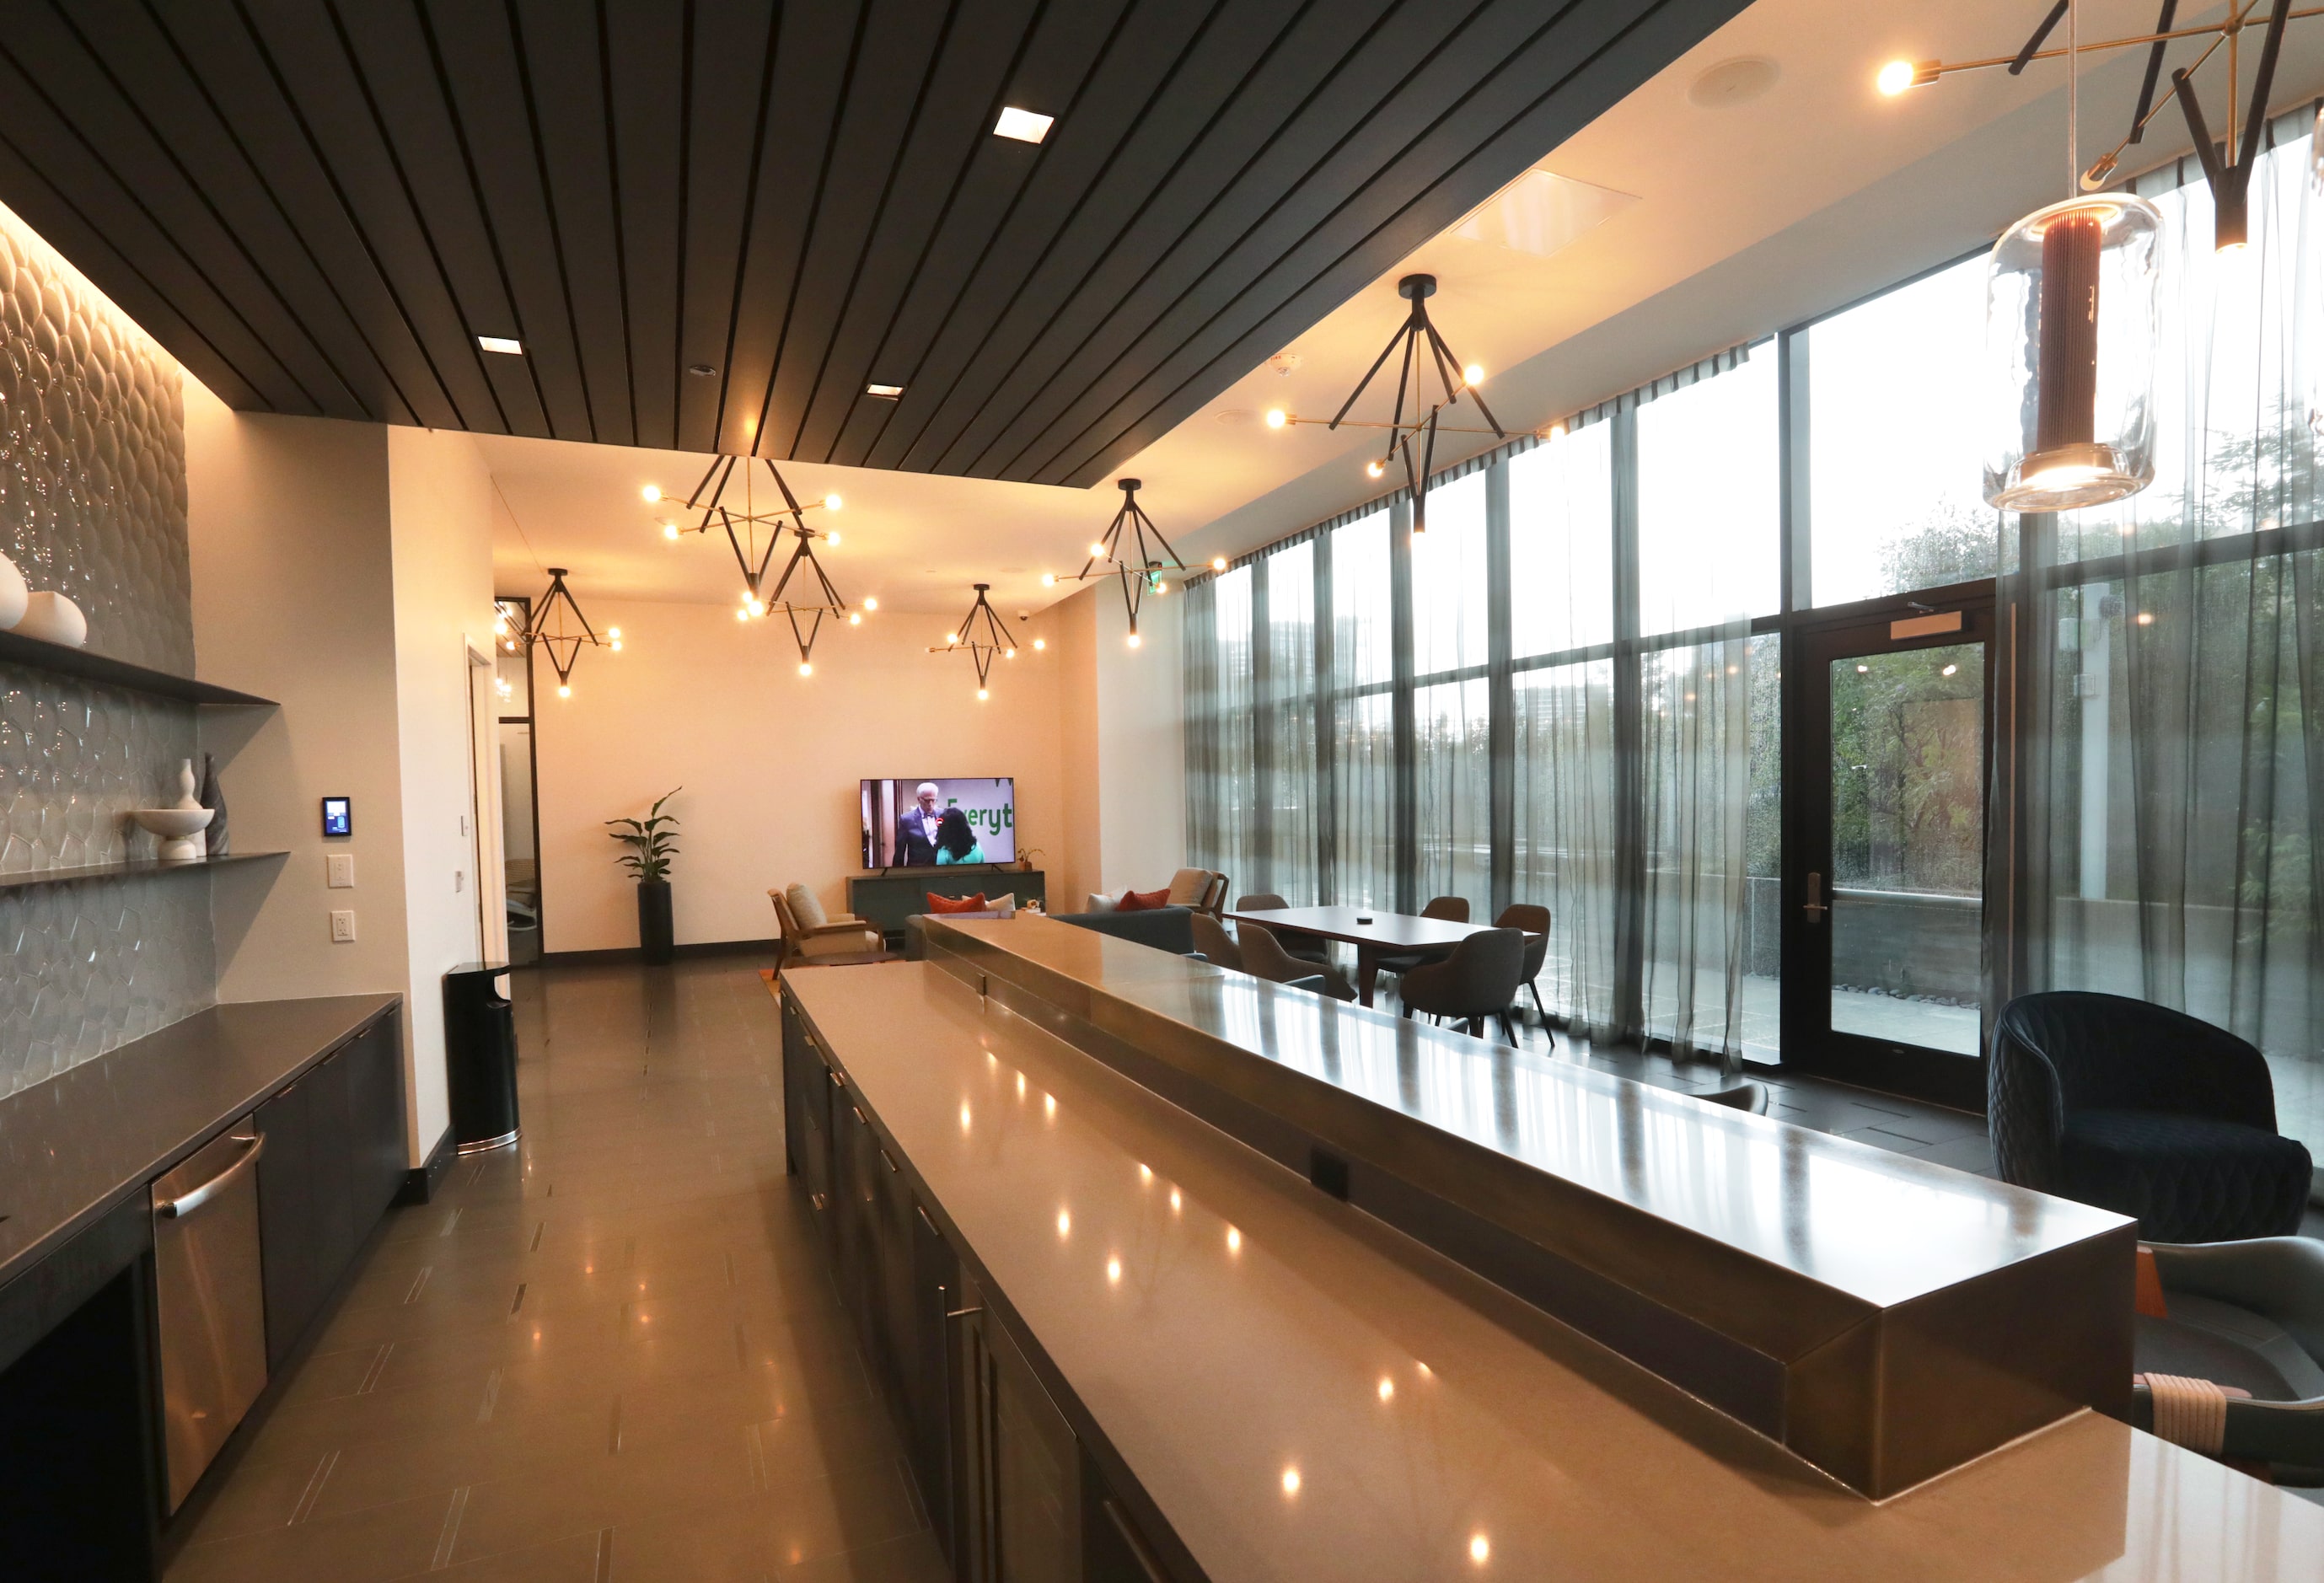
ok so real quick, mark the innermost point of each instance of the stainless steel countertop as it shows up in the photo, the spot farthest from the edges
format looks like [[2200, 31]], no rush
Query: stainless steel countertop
[[72, 1145], [1226, 1327]]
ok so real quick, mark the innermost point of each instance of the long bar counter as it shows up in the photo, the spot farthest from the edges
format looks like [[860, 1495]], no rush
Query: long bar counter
[[1282, 1388], [1885, 1319]]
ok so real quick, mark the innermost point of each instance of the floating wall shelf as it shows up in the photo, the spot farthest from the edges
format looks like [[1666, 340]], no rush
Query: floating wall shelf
[[128, 867], [56, 658]]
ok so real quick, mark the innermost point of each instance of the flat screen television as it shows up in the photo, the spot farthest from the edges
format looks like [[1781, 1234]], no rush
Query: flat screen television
[[901, 817]]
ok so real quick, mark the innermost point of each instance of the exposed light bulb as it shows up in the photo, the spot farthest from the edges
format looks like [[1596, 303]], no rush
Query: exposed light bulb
[[1218, 562], [870, 603], [834, 539], [1373, 469], [1133, 639], [612, 631], [854, 618], [617, 645], [1277, 418], [1008, 654], [652, 492], [757, 608], [742, 615], [1048, 579], [1160, 588], [981, 694], [669, 530], [1039, 644], [831, 502], [1474, 374], [806, 669], [952, 640], [1898, 76], [564, 690], [1480, 1549], [1097, 552], [500, 625]]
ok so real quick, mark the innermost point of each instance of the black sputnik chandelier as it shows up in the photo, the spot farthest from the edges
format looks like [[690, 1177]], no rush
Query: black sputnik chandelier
[[556, 626], [1134, 549], [1418, 349], [985, 637], [2228, 160], [802, 594]]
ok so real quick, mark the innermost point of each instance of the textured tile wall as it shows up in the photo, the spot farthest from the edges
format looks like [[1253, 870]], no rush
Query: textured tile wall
[[93, 505]]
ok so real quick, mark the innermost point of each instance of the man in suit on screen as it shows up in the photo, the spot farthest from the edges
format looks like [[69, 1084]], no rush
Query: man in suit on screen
[[915, 831]]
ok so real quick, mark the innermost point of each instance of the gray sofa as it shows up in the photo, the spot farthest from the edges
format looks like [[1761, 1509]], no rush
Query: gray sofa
[[1165, 928]]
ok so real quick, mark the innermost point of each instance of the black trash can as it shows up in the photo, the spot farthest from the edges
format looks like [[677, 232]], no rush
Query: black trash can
[[480, 1056]]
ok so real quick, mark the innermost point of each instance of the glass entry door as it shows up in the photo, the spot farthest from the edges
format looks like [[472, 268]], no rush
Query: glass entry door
[[1885, 891]]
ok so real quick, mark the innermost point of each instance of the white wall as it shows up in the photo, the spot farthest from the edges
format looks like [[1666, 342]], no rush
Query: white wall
[[1141, 768], [769, 760], [292, 572], [343, 569], [440, 504]]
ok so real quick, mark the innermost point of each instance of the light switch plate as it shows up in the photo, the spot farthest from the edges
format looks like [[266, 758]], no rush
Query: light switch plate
[[342, 869], [343, 926]]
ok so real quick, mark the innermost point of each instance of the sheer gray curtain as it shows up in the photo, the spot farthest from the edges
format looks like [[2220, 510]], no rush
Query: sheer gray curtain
[[1363, 714], [1287, 730], [1563, 779], [2162, 671], [1695, 731], [1452, 699], [1199, 702]]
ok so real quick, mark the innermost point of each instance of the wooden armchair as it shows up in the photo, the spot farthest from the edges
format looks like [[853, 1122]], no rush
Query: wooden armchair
[[803, 941]]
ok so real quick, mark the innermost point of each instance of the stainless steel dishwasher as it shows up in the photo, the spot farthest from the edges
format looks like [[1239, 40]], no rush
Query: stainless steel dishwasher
[[211, 1300]]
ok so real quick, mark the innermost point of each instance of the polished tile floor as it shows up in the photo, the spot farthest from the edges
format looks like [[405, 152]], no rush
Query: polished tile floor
[[609, 1353]]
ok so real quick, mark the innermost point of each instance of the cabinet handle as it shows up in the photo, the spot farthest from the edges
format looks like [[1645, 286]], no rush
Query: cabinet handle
[[836, 1081], [1135, 1540], [884, 1160], [931, 1225]]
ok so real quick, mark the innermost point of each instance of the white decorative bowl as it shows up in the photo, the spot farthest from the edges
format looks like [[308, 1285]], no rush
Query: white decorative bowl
[[54, 619], [14, 595], [178, 828]]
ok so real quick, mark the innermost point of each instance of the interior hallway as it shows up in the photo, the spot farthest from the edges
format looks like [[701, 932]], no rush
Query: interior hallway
[[609, 1353]]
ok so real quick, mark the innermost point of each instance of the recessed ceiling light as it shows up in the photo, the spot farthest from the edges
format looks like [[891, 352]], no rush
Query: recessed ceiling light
[[1734, 82], [891, 391], [500, 344], [1023, 125]]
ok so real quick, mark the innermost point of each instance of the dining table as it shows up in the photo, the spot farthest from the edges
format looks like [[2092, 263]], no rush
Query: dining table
[[1376, 933]]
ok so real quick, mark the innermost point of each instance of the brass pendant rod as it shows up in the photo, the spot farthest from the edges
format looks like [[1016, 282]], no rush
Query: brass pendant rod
[[1943, 67]]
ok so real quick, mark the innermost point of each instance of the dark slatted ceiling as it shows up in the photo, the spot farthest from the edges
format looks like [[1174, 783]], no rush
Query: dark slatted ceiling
[[318, 205]]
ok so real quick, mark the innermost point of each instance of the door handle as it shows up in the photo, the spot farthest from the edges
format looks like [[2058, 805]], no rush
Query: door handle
[[1815, 907], [186, 1203]]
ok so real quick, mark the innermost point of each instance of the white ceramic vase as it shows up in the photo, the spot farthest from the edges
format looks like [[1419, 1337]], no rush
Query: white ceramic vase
[[54, 619], [180, 827], [14, 595]]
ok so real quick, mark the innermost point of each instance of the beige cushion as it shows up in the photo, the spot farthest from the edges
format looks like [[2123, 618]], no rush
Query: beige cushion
[[838, 944], [1004, 904], [1099, 902], [1189, 885], [804, 907]]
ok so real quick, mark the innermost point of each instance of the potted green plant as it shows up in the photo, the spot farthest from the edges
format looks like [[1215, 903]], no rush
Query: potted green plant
[[652, 842]]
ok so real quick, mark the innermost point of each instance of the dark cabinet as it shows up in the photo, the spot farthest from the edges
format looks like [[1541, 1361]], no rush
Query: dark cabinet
[[334, 1159]]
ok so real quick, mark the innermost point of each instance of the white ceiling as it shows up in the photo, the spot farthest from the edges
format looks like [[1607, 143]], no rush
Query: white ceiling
[[1711, 224]]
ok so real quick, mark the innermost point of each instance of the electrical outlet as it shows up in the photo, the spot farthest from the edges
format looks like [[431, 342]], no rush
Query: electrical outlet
[[341, 868], [464, 824], [459, 880], [343, 926]]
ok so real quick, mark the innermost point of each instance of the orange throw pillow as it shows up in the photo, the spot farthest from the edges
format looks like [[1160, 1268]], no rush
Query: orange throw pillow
[[956, 904], [1143, 901]]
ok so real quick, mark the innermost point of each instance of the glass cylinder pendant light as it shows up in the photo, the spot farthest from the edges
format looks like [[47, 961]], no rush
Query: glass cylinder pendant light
[[2070, 335]]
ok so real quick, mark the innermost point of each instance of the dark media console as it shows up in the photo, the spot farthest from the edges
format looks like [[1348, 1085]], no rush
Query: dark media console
[[885, 899]]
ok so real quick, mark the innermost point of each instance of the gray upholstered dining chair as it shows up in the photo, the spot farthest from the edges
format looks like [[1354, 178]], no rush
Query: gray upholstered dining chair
[[1535, 921], [1448, 909], [1263, 957], [1307, 948], [1476, 980], [1217, 947]]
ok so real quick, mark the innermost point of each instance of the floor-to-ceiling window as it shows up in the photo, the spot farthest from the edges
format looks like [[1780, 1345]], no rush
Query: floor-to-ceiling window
[[1609, 676]]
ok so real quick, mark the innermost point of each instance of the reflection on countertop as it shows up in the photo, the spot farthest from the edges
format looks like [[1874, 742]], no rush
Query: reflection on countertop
[[1304, 1394]]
